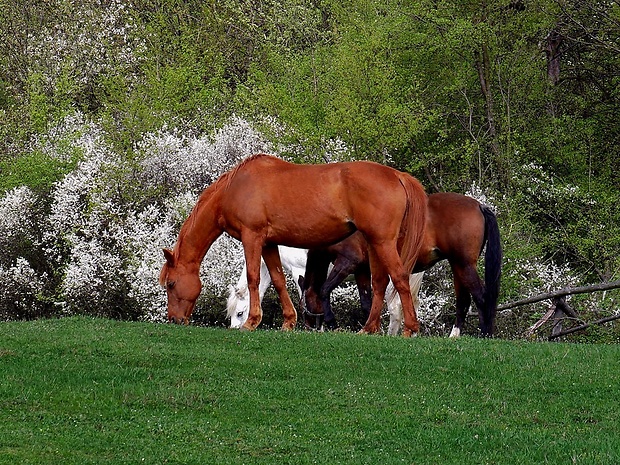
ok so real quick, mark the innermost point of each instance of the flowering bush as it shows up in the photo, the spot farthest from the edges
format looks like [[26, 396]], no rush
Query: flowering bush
[[94, 40], [16, 223], [106, 227], [21, 291]]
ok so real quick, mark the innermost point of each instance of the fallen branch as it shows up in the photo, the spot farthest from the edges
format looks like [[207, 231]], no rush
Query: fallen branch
[[561, 293], [584, 326]]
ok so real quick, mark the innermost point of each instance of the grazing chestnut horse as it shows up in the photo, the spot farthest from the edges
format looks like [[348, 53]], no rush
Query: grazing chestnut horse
[[257, 202], [456, 230]]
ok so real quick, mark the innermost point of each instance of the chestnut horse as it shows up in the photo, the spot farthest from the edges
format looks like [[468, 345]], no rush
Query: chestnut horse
[[257, 202], [456, 230]]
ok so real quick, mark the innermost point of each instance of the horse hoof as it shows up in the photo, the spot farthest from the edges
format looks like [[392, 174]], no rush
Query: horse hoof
[[410, 333], [366, 330]]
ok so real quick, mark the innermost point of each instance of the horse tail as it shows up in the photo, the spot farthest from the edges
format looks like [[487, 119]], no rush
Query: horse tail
[[492, 265], [414, 222]]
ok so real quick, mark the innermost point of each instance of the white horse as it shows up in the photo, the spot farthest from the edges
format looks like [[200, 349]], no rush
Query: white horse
[[238, 303]]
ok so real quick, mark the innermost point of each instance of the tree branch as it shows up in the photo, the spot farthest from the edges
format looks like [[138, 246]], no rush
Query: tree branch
[[584, 326], [561, 293]]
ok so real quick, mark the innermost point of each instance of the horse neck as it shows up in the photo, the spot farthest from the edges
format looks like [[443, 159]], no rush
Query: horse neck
[[199, 231]]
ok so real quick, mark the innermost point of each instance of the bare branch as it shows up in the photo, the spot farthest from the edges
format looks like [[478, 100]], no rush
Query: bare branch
[[561, 293], [584, 326]]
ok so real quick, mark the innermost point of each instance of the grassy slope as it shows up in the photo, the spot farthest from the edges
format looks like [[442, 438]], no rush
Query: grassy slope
[[96, 391]]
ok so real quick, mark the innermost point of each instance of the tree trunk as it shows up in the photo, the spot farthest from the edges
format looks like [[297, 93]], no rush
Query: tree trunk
[[483, 66]]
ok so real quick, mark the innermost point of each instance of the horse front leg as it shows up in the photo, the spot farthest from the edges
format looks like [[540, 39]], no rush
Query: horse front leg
[[251, 250], [274, 265]]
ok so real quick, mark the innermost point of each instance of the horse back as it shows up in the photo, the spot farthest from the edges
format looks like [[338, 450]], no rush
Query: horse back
[[455, 228], [311, 205]]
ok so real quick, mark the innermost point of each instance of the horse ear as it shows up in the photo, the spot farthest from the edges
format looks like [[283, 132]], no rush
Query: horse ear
[[169, 256]]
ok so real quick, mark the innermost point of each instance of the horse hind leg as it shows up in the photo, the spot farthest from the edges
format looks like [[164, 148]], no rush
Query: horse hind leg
[[392, 263], [467, 285], [394, 309], [463, 302], [272, 260], [385, 263]]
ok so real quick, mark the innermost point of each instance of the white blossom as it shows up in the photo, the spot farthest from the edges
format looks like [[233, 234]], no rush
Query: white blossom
[[15, 219], [20, 289], [97, 39], [477, 192]]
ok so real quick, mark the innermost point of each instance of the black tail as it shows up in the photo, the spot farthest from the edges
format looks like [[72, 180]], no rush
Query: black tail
[[492, 267]]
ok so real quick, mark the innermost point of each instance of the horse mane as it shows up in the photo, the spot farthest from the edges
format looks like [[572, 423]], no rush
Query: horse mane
[[222, 182], [231, 301], [163, 274]]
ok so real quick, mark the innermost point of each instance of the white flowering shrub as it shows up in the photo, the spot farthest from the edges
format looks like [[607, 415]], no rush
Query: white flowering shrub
[[176, 162], [345, 303], [68, 139], [539, 276], [143, 235], [22, 265], [485, 198], [92, 284], [437, 300], [20, 293], [16, 223], [109, 218]]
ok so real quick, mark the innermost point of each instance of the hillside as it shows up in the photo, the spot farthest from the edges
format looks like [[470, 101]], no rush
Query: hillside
[[86, 391]]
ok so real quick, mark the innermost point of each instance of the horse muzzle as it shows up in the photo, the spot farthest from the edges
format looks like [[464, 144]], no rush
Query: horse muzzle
[[318, 320], [183, 320]]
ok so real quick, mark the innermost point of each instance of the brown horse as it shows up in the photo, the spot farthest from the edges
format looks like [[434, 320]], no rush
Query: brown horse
[[456, 230], [257, 202]]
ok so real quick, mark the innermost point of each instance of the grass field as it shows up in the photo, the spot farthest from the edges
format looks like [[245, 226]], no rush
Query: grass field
[[83, 391]]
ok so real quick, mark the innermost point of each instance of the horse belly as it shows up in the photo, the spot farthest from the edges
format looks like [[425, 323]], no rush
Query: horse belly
[[309, 234]]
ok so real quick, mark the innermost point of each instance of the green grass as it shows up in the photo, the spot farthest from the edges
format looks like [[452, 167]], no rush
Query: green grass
[[83, 391]]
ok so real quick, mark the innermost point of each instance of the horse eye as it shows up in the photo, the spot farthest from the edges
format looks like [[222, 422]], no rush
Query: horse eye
[[239, 314], [170, 284]]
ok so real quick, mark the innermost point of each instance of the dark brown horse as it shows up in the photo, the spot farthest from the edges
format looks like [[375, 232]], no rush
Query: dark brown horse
[[457, 229], [257, 202]]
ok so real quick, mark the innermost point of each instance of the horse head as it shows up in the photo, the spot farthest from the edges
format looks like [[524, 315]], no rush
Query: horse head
[[237, 305], [311, 306], [183, 287]]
